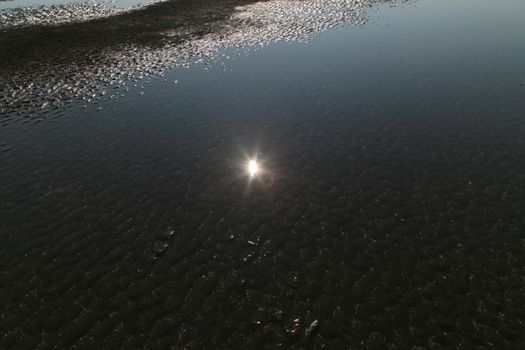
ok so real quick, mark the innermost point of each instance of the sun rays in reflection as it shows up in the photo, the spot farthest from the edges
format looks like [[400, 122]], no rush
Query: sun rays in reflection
[[253, 167], [259, 173]]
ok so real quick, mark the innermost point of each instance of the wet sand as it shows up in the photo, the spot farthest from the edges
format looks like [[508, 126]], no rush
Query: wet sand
[[49, 65]]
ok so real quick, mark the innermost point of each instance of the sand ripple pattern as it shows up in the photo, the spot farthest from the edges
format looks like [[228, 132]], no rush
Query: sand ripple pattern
[[406, 243], [59, 63], [64, 13]]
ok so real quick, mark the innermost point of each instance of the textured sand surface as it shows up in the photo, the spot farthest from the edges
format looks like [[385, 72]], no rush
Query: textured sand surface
[[46, 66]]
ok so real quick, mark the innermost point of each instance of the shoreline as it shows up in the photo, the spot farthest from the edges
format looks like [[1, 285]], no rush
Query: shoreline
[[50, 65]]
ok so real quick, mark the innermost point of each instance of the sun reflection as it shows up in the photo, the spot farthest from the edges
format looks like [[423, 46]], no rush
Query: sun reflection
[[258, 174], [253, 167]]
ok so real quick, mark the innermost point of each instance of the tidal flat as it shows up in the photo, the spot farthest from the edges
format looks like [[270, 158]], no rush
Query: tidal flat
[[235, 174]]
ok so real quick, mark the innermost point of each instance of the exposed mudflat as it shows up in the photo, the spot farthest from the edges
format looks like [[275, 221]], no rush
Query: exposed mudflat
[[387, 211], [48, 65], [17, 15]]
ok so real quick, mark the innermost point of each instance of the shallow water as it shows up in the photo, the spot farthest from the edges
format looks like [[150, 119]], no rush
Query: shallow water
[[388, 212]]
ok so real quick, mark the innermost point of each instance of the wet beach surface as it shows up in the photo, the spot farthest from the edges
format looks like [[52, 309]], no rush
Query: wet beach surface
[[388, 213], [48, 65]]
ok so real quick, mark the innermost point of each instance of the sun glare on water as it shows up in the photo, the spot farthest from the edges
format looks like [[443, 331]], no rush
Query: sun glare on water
[[252, 167]]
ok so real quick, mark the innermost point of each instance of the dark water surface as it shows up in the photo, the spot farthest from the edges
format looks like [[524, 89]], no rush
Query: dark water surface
[[389, 215]]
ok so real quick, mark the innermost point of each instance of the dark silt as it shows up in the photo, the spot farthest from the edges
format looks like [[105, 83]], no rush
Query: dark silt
[[388, 211]]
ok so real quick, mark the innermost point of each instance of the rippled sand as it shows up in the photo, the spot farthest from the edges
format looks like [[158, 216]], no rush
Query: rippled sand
[[48, 65]]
